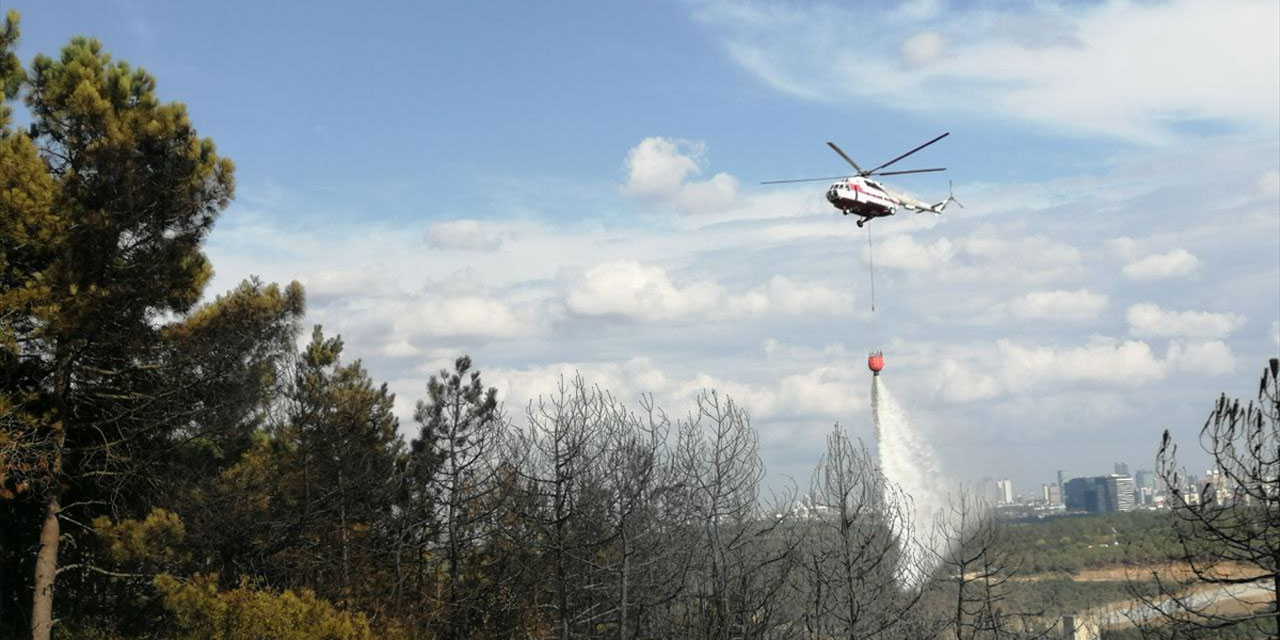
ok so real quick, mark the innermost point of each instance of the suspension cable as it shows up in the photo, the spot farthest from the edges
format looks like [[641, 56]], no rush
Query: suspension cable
[[871, 269]]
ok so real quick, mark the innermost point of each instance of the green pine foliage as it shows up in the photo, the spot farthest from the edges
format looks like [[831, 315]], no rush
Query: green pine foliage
[[204, 612]]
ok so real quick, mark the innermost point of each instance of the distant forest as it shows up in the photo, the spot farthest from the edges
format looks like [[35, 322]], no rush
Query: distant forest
[[177, 469]]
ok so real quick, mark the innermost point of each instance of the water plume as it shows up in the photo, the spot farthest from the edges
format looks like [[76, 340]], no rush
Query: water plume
[[907, 459]]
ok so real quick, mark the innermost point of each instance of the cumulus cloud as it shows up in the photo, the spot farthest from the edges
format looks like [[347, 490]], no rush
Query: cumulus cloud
[[1031, 258], [325, 284], [1031, 370], [1130, 363], [1072, 67], [401, 325], [647, 292], [985, 255], [644, 292], [960, 383], [1159, 266], [793, 297], [1212, 357], [906, 253], [1059, 305], [468, 316], [1149, 320], [663, 169], [464, 234], [823, 391]]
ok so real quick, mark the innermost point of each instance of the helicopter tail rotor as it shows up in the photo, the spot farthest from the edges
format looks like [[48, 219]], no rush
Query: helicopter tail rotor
[[951, 197]]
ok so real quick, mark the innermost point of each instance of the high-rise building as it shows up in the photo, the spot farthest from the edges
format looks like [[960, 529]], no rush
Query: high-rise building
[[1050, 493], [1004, 491], [1122, 469], [1144, 478], [1145, 496], [1120, 495], [1062, 482], [1101, 494], [1084, 493]]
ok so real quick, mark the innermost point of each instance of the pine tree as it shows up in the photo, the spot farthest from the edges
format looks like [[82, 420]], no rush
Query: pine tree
[[453, 473], [105, 203]]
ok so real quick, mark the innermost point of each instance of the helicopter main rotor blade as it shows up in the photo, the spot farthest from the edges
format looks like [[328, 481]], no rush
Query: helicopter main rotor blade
[[804, 180], [908, 153], [898, 173], [847, 158]]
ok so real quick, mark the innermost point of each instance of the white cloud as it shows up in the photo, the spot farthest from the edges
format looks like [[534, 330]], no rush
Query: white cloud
[[468, 316], [959, 383], [751, 303], [1021, 370], [921, 48], [792, 297], [1159, 266], [644, 292], [1149, 320], [400, 324], [823, 391], [1075, 67], [1212, 357], [1059, 305], [1122, 247], [326, 284], [647, 293], [464, 234], [1125, 363], [661, 169], [904, 252], [1269, 183], [985, 255]]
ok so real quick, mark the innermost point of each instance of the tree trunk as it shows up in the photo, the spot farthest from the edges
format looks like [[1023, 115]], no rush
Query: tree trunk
[[46, 569], [47, 556], [622, 613]]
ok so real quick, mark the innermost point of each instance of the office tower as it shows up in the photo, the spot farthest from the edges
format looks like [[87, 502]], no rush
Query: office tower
[[1120, 496], [1004, 491], [1085, 494], [1122, 469], [1100, 494], [1050, 493]]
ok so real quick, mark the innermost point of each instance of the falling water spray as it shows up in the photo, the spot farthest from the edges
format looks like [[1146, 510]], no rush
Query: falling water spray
[[907, 459]]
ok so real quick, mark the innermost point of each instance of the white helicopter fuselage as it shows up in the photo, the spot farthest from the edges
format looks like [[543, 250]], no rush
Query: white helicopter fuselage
[[869, 199], [862, 197]]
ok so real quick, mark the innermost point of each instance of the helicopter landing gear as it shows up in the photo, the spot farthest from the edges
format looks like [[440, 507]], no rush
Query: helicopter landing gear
[[862, 221]]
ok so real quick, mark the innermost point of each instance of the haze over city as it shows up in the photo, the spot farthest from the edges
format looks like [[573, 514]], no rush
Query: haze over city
[[574, 189]]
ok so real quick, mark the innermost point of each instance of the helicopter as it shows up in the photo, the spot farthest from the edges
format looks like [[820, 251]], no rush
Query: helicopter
[[867, 198]]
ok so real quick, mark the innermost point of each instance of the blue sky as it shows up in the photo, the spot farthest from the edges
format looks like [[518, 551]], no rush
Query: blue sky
[[574, 188]]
